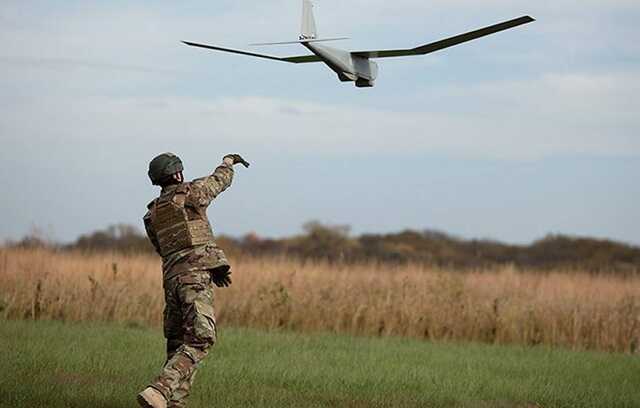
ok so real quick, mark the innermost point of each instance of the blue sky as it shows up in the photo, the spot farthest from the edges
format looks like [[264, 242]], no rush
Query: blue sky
[[510, 137]]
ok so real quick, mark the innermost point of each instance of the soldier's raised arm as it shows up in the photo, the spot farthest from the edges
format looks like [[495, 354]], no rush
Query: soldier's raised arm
[[211, 186]]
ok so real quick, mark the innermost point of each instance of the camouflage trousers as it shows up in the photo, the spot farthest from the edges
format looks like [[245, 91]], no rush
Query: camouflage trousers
[[190, 330]]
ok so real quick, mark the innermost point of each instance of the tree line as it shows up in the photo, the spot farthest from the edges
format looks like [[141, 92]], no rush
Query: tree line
[[334, 243]]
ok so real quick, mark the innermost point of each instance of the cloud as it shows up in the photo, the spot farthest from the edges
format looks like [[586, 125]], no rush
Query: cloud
[[71, 63], [553, 115]]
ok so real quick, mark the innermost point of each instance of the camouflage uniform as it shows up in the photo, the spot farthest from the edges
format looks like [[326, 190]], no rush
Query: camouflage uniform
[[189, 320]]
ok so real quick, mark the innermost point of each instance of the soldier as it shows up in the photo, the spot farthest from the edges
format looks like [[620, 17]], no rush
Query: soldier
[[178, 228]]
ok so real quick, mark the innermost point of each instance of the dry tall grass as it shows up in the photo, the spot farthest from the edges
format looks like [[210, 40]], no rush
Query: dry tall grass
[[575, 310]]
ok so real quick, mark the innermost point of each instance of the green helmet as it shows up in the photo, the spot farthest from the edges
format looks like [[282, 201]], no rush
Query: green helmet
[[163, 166]]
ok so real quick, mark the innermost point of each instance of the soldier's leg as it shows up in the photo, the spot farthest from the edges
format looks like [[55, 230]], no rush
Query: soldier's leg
[[172, 347], [195, 294], [175, 338], [173, 333], [181, 394], [172, 319]]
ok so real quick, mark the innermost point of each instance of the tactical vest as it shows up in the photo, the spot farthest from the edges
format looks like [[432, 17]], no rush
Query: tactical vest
[[174, 230]]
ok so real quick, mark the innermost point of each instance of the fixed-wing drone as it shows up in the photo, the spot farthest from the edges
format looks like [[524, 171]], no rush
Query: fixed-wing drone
[[356, 66]]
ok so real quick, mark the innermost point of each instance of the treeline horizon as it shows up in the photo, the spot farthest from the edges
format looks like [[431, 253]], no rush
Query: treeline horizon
[[334, 243]]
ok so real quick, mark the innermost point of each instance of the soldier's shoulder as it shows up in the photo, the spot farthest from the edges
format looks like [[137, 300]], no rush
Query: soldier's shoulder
[[151, 203], [197, 193], [197, 184], [195, 189], [184, 188]]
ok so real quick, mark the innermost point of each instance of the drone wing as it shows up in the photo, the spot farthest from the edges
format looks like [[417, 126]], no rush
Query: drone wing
[[294, 60], [303, 59], [448, 42]]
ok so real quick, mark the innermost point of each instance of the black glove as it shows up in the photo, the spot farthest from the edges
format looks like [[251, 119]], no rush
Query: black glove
[[237, 159], [221, 277]]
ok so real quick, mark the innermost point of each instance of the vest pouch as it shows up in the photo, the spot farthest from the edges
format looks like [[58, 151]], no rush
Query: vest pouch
[[199, 232]]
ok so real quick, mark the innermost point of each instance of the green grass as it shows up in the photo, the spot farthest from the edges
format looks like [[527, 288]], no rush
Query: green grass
[[52, 364]]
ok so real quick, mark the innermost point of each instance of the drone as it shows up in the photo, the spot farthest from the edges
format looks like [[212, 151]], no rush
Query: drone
[[357, 66]]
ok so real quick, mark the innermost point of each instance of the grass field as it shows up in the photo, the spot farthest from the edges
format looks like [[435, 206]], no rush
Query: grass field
[[54, 364]]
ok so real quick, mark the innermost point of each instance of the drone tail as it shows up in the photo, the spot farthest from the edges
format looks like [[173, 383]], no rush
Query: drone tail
[[308, 29]]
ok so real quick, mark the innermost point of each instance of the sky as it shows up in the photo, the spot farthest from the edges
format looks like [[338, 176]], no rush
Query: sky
[[532, 131]]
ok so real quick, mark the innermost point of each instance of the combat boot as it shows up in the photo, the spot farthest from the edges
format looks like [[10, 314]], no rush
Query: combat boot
[[151, 398]]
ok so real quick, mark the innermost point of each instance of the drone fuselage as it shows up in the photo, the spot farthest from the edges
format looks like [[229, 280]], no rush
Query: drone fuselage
[[349, 67]]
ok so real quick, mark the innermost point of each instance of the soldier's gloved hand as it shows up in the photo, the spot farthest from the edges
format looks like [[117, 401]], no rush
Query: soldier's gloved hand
[[224, 281], [235, 159], [221, 278]]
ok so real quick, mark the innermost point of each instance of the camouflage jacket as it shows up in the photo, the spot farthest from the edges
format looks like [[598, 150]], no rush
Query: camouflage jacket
[[199, 194]]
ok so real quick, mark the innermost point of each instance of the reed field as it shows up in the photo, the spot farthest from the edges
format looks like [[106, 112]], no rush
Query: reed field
[[502, 306]]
